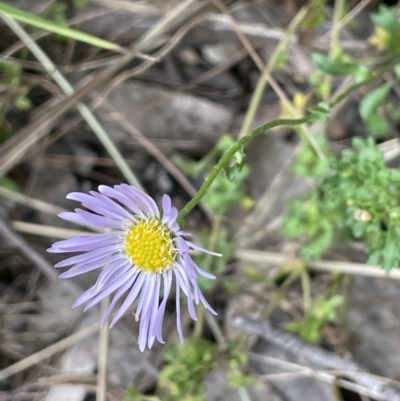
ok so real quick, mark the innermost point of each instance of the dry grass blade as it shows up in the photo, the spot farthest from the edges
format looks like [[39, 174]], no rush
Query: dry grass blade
[[29, 201], [316, 355], [68, 89], [45, 353], [254, 256], [47, 231], [32, 255], [14, 149], [101, 393], [252, 230]]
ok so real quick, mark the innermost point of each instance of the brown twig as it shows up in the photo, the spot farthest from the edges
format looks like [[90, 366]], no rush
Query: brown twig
[[314, 354], [32, 255], [45, 353]]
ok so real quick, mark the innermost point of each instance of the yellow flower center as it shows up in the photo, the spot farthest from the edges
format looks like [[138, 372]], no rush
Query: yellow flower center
[[150, 245]]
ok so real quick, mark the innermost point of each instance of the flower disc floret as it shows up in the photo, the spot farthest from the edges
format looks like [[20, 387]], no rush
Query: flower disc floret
[[140, 254], [150, 245]]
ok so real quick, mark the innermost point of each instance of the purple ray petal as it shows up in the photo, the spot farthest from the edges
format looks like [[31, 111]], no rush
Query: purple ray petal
[[121, 291], [161, 310], [130, 277], [111, 273], [85, 243], [81, 269], [112, 193], [200, 248], [89, 219], [130, 299], [149, 206], [178, 314], [88, 256]]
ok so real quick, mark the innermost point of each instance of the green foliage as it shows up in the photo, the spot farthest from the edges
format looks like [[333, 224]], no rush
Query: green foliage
[[134, 395], [357, 198], [386, 19], [236, 376], [8, 183], [235, 166], [182, 378], [223, 192], [10, 75], [308, 163], [320, 112], [321, 85], [316, 15], [282, 59], [369, 109], [81, 4], [340, 66], [59, 15], [322, 311]]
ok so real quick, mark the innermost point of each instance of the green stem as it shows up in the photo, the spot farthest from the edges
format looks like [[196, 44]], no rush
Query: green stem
[[229, 154], [306, 286], [269, 67]]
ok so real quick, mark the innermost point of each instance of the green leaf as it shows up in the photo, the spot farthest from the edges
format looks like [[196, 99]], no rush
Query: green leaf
[[235, 166], [371, 102], [333, 67], [387, 19], [320, 112], [48, 25], [316, 15]]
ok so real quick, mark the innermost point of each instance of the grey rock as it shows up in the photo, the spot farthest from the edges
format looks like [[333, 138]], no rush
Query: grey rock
[[160, 114]]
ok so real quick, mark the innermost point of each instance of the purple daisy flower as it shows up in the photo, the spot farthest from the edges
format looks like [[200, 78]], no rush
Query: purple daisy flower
[[141, 252]]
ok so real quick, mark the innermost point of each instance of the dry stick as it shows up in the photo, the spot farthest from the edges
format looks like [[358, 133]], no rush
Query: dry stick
[[119, 79], [254, 256], [32, 255], [15, 148], [47, 231], [292, 366], [156, 153], [270, 66], [41, 34], [328, 376], [29, 201], [48, 352], [248, 234], [68, 89], [314, 354], [253, 54], [274, 85], [165, 50], [101, 390], [345, 20]]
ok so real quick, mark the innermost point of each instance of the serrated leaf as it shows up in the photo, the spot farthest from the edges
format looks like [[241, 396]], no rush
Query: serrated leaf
[[333, 67]]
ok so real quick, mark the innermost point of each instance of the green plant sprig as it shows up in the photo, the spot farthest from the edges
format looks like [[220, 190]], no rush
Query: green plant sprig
[[226, 158]]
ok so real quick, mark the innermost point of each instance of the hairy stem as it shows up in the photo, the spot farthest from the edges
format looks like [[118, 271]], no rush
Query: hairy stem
[[229, 154]]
